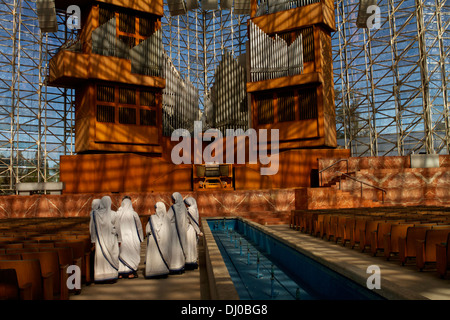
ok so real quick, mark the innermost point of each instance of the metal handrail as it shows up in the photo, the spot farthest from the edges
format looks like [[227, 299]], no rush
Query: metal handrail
[[362, 182], [330, 166]]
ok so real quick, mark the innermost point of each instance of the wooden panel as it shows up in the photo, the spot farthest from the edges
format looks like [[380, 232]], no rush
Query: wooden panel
[[123, 133], [290, 81], [149, 6], [317, 13], [120, 172], [68, 68]]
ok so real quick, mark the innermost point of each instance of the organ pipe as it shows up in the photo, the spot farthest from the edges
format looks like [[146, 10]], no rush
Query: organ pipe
[[272, 57]]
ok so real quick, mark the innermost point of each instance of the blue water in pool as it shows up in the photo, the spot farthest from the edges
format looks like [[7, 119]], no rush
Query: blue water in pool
[[263, 268]]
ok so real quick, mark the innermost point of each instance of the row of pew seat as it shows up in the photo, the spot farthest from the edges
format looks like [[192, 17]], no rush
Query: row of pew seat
[[35, 255], [418, 237]]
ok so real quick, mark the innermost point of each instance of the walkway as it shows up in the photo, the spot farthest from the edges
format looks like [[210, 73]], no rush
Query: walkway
[[397, 282], [191, 285]]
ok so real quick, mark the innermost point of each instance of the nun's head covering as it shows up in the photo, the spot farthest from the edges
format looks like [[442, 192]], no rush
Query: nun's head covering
[[177, 198], [160, 208], [178, 206], [96, 204], [106, 203], [192, 207], [190, 201], [126, 204], [159, 218]]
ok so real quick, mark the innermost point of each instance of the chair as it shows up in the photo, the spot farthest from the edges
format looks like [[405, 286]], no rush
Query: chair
[[377, 237], [355, 233], [390, 239], [426, 249], [443, 257], [324, 225], [65, 259], [340, 228], [331, 228], [29, 271], [10, 256], [39, 245], [366, 233], [407, 245], [15, 245], [318, 222], [9, 286], [49, 264], [349, 229], [12, 250]]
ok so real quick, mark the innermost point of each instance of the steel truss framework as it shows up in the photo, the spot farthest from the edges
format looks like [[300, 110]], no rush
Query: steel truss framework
[[196, 41], [390, 83], [36, 121]]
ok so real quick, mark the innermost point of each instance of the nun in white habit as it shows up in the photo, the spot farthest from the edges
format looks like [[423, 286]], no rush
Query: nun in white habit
[[177, 215], [192, 234], [129, 227], [158, 243], [106, 241]]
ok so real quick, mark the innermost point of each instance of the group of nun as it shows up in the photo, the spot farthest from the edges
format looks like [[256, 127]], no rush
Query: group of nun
[[172, 237]]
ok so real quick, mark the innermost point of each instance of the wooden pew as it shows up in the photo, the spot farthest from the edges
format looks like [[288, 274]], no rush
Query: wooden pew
[[10, 256], [360, 224], [9, 286], [443, 257], [407, 245], [65, 259], [377, 237], [426, 249], [49, 264], [366, 233], [348, 230], [324, 225], [390, 239], [340, 228], [318, 222], [29, 271], [331, 228]]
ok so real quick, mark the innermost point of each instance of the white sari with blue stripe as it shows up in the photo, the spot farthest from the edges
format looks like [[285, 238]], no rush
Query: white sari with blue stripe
[[128, 224], [158, 243], [192, 233], [104, 235], [178, 227]]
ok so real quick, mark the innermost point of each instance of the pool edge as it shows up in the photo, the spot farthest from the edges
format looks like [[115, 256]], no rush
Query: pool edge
[[221, 285], [218, 269], [389, 290]]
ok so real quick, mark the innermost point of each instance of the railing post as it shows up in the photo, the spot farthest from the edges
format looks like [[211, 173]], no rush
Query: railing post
[[361, 190]]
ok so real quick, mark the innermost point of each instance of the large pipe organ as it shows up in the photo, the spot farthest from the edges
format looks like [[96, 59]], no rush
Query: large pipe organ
[[228, 104], [180, 100], [291, 82], [116, 67]]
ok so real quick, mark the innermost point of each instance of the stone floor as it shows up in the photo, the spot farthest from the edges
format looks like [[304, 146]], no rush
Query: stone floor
[[191, 285]]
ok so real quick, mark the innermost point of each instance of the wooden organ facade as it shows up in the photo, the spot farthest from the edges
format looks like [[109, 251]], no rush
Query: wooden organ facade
[[118, 88], [129, 98], [299, 102]]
